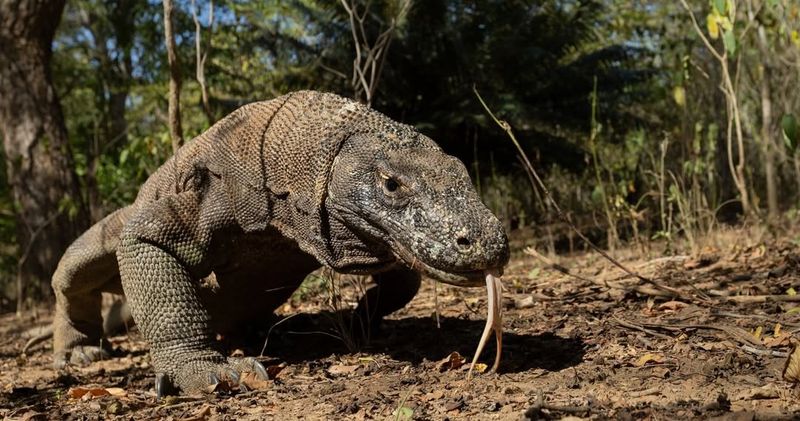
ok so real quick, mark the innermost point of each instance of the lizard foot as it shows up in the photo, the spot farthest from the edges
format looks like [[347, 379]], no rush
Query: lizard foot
[[80, 355], [213, 377]]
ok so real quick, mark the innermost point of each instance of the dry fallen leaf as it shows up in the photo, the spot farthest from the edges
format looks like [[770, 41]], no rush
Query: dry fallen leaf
[[451, 362], [224, 386], [253, 382], [480, 367], [274, 370], [706, 257], [200, 415], [784, 339], [648, 358], [116, 391], [672, 305], [716, 346], [432, 396], [791, 371], [87, 393], [341, 370]]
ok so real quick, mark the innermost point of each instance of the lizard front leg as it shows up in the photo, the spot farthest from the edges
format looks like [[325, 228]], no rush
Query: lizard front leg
[[161, 255]]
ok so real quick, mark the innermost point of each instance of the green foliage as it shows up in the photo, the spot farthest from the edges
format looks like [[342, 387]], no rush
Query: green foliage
[[791, 131], [618, 103]]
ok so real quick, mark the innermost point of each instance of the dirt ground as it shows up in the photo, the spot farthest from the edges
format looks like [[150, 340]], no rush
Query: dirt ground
[[706, 339]]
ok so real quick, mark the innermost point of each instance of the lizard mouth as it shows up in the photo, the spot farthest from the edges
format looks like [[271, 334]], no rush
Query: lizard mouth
[[461, 278]]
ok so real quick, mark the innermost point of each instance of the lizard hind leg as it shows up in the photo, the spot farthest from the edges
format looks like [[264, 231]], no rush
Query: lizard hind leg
[[88, 267]]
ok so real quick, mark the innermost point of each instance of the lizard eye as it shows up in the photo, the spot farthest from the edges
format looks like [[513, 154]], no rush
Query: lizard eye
[[390, 185]]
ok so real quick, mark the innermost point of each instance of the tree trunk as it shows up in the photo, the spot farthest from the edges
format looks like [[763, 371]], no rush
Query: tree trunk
[[39, 162], [766, 127], [175, 130]]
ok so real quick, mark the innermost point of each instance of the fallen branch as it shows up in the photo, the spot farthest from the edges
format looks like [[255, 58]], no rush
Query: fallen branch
[[764, 352], [740, 335], [535, 411], [749, 299]]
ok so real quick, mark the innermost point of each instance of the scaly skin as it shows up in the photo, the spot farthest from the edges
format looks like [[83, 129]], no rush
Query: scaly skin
[[229, 227]]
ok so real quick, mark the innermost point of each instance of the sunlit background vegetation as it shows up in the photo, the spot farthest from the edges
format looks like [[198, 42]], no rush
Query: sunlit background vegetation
[[646, 119]]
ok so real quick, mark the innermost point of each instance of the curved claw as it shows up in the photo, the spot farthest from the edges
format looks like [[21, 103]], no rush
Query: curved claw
[[233, 375], [213, 379], [162, 385], [80, 358], [260, 370], [84, 355]]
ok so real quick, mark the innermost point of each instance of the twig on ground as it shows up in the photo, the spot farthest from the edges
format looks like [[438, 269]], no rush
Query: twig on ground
[[633, 326], [754, 316], [646, 392], [764, 352], [535, 411], [749, 299], [740, 335], [663, 259]]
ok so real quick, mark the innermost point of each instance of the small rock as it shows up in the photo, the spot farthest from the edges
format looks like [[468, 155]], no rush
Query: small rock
[[769, 391], [736, 416], [777, 272], [454, 404], [115, 408]]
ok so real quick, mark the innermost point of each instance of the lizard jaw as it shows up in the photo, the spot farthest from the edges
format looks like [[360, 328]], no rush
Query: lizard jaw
[[461, 278]]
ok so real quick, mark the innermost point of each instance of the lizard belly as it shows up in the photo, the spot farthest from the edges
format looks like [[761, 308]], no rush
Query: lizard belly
[[255, 275]]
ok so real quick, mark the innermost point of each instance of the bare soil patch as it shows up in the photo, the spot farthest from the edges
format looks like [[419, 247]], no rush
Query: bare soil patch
[[602, 347]]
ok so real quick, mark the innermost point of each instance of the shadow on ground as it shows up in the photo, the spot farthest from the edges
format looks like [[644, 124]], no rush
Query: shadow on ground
[[310, 337]]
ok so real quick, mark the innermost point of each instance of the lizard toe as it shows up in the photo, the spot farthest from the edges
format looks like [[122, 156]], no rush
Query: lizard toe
[[208, 377], [249, 365], [87, 354], [81, 355]]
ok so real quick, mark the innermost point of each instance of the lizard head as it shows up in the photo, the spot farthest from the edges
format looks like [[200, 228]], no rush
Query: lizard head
[[416, 204]]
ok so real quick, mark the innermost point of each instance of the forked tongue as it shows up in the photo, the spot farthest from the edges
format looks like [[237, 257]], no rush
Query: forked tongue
[[494, 321]]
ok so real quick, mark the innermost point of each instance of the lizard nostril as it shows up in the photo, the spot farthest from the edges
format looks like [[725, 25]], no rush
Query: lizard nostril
[[463, 242]]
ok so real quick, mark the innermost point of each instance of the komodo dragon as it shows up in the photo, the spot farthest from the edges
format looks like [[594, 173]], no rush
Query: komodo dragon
[[265, 196]]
